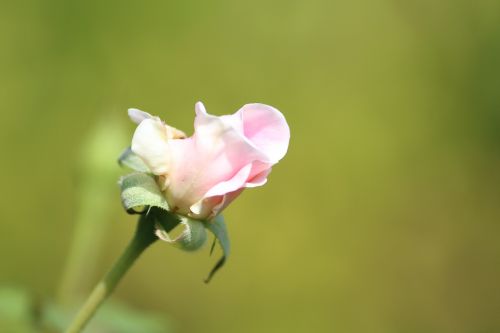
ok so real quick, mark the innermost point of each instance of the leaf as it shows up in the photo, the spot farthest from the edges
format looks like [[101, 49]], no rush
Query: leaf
[[130, 160], [218, 228], [141, 190], [192, 237]]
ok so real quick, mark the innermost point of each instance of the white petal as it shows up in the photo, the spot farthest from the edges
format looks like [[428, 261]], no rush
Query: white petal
[[137, 116], [200, 108], [150, 143], [203, 208]]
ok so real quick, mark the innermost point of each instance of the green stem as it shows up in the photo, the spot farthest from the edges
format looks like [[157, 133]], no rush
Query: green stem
[[143, 237]]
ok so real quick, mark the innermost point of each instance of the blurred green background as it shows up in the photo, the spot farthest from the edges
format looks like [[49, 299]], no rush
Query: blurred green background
[[383, 217]]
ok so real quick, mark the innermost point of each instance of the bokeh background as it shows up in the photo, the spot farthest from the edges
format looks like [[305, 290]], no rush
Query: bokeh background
[[383, 217]]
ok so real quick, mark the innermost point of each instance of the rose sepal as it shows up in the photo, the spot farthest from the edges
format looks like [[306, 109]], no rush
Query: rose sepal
[[130, 160], [141, 194]]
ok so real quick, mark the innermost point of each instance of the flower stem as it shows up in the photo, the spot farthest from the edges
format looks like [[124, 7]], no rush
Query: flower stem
[[143, 237]]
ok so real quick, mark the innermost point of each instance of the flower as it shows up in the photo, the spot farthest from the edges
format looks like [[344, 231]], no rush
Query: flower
[[200, 175]]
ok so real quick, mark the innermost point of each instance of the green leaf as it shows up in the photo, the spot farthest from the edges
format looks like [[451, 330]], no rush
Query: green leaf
[[140, 190], [130, 160], [218, 228], [192, 237]]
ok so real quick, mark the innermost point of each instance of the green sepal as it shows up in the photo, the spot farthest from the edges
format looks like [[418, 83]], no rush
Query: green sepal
[[166, 220], [130, 160], [192, 237], [218, 228], [140, 193], [139, 190]]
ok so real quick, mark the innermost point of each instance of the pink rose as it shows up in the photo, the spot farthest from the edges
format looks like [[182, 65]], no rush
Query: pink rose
[[200, 175]]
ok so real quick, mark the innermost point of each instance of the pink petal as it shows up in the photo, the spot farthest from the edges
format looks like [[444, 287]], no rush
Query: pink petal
[[236, 182], [217, 158], [258, 174], [267, 129], [226, 200], [225, 155]]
